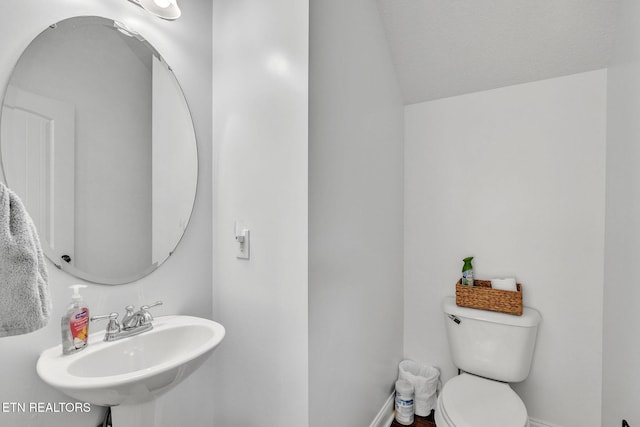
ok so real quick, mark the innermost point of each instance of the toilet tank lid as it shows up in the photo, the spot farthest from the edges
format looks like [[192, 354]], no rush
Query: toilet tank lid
[[530, 317]]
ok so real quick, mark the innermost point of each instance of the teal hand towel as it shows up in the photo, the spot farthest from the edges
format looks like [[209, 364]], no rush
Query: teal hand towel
[[25, 305]]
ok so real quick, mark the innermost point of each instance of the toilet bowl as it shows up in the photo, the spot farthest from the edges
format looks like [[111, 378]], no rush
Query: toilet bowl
[[471, 401]]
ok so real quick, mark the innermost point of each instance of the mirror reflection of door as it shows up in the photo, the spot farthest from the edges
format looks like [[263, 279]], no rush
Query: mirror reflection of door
[[45, 131], [107, 145]]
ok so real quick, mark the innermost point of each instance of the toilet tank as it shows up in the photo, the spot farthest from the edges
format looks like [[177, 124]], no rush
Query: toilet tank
[[493, 345]]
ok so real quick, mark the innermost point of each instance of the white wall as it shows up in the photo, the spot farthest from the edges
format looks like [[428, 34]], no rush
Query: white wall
[[355, 215], [621, 377], [184, 281], [260, 179], [515, 177]]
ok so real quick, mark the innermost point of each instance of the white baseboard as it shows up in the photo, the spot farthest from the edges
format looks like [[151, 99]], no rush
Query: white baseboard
[[385, 416], [538, 423]]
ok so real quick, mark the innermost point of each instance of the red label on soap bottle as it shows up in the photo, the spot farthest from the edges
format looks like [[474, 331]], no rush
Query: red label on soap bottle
[[79, 325]]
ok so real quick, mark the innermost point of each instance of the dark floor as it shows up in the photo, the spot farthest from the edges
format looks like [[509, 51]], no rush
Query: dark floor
[[418, 422]]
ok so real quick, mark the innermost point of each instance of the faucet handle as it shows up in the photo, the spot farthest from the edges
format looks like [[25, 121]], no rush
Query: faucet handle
[[146, 307], [113, 326], [110, 316], [147, 317]]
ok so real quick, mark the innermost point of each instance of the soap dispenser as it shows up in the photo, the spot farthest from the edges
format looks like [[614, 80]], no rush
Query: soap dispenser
[[75, 323]]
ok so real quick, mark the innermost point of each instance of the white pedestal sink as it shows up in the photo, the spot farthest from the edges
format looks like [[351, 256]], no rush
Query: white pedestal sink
[[130, 373]]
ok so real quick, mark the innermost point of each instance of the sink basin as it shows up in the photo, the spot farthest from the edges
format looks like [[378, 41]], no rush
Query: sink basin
[[132, 370]]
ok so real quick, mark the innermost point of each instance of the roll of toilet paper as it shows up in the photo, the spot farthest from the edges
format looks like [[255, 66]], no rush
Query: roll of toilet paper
[[507, 284]]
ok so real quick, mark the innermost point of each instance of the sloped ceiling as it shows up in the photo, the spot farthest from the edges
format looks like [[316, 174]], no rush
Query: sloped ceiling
[[443, 48]]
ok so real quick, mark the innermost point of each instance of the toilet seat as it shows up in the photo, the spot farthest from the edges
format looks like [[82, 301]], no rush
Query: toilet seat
[[471, 401]]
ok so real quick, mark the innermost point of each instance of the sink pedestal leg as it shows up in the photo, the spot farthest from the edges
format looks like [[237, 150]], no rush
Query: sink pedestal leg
[[140, 415]]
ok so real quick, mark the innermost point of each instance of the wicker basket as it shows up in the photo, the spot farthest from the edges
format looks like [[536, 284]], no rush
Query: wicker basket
[[482, 296]]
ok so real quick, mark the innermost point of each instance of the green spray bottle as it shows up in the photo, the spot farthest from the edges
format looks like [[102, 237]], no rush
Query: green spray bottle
[[467, 272]]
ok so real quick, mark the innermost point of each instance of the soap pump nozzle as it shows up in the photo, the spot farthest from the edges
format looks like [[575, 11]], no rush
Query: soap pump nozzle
[[76, 292]]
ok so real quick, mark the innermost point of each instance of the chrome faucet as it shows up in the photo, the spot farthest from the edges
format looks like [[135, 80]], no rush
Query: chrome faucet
[[132, 323], [140, 318]]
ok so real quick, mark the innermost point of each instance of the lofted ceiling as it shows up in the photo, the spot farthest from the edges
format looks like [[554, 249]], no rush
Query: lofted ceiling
[[444, 48]]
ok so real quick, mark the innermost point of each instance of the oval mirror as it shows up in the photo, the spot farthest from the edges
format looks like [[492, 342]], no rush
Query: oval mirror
[[97, 140]]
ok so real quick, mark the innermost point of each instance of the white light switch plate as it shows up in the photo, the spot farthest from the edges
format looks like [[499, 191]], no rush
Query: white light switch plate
[[243, 242]]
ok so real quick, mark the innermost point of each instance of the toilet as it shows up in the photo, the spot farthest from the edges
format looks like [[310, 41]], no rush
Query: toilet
[[491, 350]]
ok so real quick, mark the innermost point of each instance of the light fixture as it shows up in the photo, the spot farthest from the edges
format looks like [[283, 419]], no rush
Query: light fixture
[[165, 9]]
